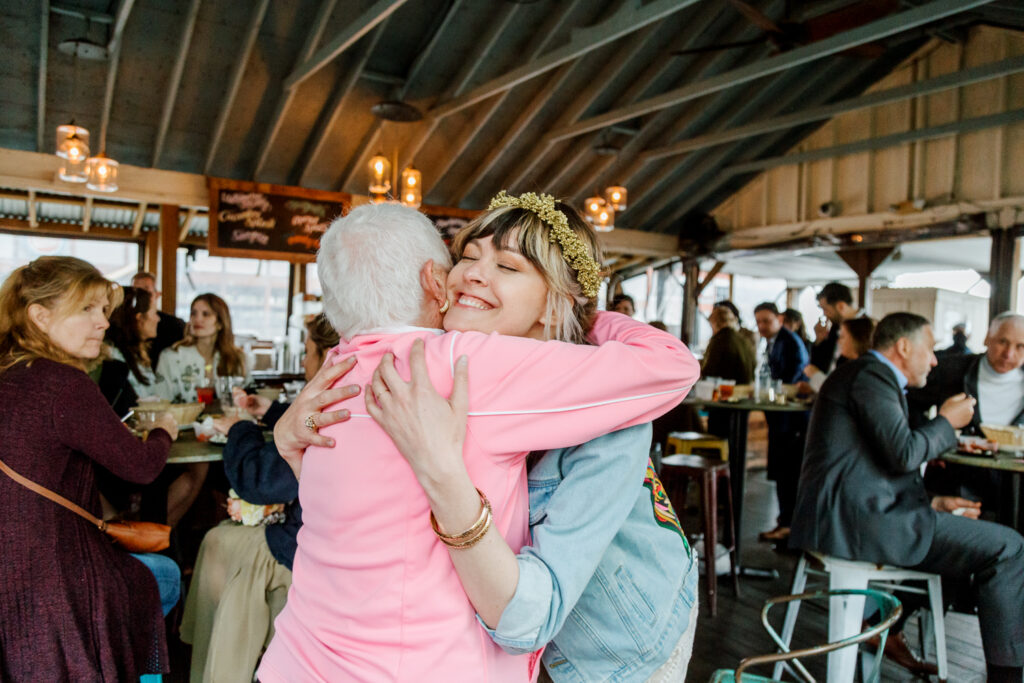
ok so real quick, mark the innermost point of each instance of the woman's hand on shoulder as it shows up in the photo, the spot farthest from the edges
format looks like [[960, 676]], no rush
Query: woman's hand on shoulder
[[291, 434], [428, 429]]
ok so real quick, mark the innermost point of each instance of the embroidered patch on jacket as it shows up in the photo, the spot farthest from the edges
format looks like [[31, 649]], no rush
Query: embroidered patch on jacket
[[664, 514]]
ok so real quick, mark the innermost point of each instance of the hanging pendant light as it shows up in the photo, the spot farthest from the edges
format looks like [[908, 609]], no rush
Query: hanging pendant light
[[102, 173], [73, 170], [592, 207], [72, 142], [380, 175], [412, 190], [617, 197], [605, 219]]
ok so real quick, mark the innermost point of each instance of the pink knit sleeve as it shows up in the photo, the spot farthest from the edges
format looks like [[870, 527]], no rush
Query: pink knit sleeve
[[528, 395]]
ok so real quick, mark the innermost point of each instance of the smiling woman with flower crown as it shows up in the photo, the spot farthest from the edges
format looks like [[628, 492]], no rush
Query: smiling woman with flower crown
[[374, 593]]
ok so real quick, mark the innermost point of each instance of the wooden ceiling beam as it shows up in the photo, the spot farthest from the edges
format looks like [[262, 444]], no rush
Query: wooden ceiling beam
[[334, 107], [695, 31], [638, 243], [956, 128], [114, 57], [140, 216], [284, 102], [362, 154], [60, 230], [876, 30], [541, 43], [175, 83], [484, 45], [235, 83], [44, 53], [352, 32], [120, 20], [37, 171], [630, 17], [671, 179], [612, 67], [186, 224], [957, 79], [668, 123]]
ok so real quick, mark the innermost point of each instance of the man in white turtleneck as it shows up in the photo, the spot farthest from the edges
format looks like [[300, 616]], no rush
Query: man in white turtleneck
[[995, 378]]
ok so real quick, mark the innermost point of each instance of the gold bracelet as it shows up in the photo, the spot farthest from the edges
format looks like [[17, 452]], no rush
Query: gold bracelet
[[470, 542], [474, 532]]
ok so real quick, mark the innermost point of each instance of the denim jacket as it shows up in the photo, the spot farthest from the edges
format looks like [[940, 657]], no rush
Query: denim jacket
[[610, 578]]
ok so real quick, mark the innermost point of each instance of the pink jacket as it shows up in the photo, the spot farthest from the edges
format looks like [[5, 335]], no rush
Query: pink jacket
[[374, 596]]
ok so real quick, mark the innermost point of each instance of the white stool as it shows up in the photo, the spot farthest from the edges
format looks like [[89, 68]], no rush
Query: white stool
[[846, 613]]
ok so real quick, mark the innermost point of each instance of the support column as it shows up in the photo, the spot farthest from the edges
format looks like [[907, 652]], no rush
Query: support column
[[168, 257], [863, 262], [1004, 271], [691, 271], [151, 252]]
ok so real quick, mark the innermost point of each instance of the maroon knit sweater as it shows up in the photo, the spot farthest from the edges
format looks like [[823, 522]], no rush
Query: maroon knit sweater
[[72, 606]]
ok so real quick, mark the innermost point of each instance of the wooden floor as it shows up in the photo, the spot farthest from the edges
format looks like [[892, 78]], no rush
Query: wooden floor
[[737, 632]]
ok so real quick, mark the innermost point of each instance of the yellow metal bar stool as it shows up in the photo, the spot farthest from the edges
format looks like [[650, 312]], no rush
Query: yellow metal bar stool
[[686, 442]]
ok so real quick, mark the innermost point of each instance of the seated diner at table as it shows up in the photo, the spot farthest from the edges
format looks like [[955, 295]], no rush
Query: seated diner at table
[[996, 380], [75, 606], [861, 496], [207, 352]]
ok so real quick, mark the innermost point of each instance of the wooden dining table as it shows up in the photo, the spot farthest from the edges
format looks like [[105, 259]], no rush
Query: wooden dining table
[[1002, 461], [188, 449]]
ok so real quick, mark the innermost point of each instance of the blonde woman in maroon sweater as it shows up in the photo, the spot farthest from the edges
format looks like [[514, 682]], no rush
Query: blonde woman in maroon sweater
[[75, 607]]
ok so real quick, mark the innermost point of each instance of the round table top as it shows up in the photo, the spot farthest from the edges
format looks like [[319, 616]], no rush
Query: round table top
[[1007, 462], [187, 449], [750, 404]]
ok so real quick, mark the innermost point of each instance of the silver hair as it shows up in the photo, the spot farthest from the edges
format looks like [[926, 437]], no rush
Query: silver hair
[[369, 264], [1004, 318]]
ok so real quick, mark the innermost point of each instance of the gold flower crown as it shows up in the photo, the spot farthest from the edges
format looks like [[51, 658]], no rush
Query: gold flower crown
[[575, 253]]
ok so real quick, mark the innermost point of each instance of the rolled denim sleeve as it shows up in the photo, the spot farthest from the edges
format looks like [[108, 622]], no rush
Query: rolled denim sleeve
[[600, 485], [524, 618]]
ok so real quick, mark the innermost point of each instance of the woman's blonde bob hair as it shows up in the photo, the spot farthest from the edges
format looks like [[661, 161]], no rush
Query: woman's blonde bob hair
[[569, 312], [60, 284]]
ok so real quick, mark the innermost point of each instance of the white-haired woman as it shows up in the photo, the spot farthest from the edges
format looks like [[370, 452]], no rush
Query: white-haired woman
[[374, 594]]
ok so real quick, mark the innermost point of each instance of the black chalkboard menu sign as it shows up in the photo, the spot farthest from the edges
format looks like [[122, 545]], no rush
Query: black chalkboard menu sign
[[448, 220], [264, 221]]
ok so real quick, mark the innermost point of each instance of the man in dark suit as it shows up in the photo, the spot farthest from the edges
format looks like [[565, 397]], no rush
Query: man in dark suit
[[861, 495], [836, 302], [786, 357], [170, 329], [995, 378]]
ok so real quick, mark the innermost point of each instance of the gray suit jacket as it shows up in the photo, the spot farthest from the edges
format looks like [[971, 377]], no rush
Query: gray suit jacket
[[861, 496]]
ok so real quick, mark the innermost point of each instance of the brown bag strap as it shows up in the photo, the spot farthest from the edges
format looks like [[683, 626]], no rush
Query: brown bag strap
[[47, 493]]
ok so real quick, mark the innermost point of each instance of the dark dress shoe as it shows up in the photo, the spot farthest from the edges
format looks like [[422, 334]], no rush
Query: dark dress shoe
[[897, 651], [776, 535]]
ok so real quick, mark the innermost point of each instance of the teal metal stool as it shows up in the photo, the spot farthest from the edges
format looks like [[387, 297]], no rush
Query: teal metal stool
[[889, 607]]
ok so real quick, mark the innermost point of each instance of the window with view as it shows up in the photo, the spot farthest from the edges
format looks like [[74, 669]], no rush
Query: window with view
[[256, 291]]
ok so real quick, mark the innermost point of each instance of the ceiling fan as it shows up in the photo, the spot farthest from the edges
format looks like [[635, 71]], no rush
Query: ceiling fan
[[787, 34]]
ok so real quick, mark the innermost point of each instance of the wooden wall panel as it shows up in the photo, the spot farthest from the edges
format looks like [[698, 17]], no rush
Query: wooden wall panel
[[976, 167], [784, 194]]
